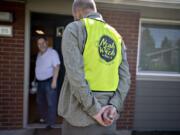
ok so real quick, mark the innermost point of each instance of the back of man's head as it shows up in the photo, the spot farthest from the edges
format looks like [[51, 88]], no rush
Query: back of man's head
[[84, 5]]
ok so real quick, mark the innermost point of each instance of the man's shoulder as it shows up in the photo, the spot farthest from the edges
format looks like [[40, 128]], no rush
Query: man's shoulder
[[51, 50], [74, 25], [114, 30]]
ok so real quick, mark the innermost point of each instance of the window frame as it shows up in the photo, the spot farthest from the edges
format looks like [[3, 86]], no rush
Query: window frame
[[149, 75]]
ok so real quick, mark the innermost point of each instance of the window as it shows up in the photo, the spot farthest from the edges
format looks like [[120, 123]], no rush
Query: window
[[159, 50]]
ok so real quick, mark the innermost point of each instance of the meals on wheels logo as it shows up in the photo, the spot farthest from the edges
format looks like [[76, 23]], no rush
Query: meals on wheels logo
[[107, 48]]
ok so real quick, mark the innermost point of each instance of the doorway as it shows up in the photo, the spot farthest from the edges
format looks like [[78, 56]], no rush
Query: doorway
[[51, 25]]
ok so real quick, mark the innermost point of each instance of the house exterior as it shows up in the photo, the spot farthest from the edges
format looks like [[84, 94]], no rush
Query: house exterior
[[151, 31]]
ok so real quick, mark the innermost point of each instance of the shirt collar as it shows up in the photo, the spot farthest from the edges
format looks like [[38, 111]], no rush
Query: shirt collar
[[94, 15]]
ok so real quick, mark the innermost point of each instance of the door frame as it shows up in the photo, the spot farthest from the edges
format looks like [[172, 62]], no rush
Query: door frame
[[33, 6]]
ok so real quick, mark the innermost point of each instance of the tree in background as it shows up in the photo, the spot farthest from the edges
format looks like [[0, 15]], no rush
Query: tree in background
[[147, 46]]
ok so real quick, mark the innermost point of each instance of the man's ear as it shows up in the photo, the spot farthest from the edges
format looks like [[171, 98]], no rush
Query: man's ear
[[81, 13]]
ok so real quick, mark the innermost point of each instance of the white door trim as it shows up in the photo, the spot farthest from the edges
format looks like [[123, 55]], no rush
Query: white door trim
[[26, 68], [58, 7]]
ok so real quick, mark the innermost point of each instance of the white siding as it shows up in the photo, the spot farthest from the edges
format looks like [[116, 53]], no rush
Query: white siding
[[157, 105]]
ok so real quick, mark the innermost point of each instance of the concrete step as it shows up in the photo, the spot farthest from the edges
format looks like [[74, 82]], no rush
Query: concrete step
[[56, 131], [17, 132], [43, 131]]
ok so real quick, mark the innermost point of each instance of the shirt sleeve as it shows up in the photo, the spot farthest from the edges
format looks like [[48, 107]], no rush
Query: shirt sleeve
[[73, 61], [55, 58], [124, 82]]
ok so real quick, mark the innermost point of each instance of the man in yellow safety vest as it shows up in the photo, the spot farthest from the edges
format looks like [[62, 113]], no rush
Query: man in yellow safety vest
[[97, 75]]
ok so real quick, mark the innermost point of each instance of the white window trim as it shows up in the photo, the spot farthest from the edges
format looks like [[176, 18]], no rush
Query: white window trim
[[155, 76]]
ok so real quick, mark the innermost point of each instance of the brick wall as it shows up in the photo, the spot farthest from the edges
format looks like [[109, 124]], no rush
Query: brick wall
[[127, 24], [12, 68], [12, 64]]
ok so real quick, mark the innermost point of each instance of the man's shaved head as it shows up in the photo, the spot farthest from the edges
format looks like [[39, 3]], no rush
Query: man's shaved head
[[84, 4], [81, 8]]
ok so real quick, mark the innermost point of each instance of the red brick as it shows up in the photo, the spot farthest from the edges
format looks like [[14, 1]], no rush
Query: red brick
[[11, 69], [127, 24]]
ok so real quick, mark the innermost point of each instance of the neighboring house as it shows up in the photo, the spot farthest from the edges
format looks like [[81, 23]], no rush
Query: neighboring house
[[151, 31]]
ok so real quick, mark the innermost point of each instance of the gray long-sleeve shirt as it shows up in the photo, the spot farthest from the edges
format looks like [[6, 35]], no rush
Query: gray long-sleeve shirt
[[77, 103]]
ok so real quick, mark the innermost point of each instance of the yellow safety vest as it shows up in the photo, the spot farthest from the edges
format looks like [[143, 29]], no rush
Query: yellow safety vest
[[102, 55]]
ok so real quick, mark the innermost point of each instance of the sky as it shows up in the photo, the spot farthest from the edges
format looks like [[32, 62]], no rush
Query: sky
[[159, 34]]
